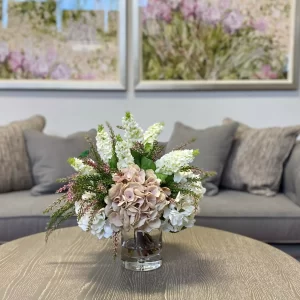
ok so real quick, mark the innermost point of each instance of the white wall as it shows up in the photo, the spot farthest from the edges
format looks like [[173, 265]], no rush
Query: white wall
[[67, 112]]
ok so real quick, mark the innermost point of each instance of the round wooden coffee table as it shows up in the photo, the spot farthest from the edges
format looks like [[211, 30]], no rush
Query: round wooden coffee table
[[199, 263]]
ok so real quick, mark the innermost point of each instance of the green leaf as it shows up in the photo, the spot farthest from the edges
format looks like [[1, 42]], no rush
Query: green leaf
[[84, 154], [113, 162], [147, 164], [137, 157], [162, 177]]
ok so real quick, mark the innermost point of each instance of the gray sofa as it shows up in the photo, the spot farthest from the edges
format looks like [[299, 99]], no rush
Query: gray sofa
[[270, 219]]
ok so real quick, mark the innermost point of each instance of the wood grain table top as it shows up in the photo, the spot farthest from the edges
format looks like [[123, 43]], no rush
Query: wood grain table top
[[199, 263]]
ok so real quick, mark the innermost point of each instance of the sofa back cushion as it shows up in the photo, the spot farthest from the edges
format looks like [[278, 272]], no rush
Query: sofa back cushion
[[256, 161], [214, 144], [48, 156], [291, 175], [15, 172]]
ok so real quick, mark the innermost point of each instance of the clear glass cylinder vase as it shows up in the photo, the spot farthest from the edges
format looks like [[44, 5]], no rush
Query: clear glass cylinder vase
[[141, 251]]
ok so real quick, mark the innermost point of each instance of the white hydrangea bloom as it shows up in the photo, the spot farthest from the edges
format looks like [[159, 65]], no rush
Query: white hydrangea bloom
[[104, 144], [80, 167], [171, 162], [152, 133], [123, 153], [100, 225], [133, 132], [176, 220]]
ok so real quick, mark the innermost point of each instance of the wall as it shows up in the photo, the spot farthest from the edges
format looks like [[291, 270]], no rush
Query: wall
[[67, 112]]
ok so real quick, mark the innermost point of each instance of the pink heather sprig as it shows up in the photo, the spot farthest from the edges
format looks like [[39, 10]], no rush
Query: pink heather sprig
[[91, 163]]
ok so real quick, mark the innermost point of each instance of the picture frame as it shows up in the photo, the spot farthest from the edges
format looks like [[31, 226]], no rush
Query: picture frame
[[97, 56], [156, 77]]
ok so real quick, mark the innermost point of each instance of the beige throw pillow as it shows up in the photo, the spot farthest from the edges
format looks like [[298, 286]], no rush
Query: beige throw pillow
[[257, 157], [15, 171]]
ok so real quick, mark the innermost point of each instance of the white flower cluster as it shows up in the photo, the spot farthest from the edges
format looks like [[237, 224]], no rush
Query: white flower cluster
[[180, 214], [171, 162], [152, 133], [104, 144], [80, 167], [100, 226], [195, 187], [133, 132], [123, 153]]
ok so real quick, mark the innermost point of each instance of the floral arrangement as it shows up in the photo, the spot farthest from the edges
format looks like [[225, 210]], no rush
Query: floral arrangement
[[215, 39], [125, 183]]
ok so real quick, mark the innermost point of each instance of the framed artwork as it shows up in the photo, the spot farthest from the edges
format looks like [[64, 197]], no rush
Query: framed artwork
[[216, 44], [63, 44]]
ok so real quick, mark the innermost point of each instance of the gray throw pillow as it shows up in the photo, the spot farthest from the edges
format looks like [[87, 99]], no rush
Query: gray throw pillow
[[15, 172], [214, 144], [257, 158], [49, 155]]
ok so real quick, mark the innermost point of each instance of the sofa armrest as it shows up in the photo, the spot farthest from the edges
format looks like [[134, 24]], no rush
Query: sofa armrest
[[291, 175]]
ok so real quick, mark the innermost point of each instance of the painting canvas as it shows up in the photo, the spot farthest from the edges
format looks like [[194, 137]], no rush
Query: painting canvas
[[216, 44], [63, 44]]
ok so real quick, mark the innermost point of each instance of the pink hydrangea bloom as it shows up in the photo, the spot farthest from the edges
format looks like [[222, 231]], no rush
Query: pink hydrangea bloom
[[61, 72], [157, 10], [260, 25], [233, 21], [15, 60], [212, 15], [267, 73], [40, 68]]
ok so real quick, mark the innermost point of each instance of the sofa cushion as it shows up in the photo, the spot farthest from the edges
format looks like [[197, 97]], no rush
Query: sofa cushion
[[49, 155], [257, 157], [273, 220], [21, 214], [15, 172], [214, 144], [291, 175]]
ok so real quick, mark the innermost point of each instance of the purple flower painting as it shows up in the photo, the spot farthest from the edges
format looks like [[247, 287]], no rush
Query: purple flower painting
[[215, 41]]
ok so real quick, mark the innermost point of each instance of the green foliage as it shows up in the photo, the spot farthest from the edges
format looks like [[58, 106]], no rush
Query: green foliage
[[84, 154], [46, 11], [147, 164], [183, 50]]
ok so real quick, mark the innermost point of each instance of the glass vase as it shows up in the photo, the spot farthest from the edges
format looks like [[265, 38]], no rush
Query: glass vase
[[141, 251]]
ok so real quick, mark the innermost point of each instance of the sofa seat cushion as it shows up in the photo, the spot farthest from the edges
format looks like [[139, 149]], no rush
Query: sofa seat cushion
[[21, 214], [270, 219]]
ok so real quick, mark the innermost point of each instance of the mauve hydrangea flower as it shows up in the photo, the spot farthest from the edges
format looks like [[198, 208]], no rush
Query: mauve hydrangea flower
[[28, 62], [157, 10], [233, 21], [260, 25], [87, 76], [15, 60], [267, 73], [51, 56], [61, 72], [212, 15], [193, 8], [3, 52], [40, 68], [224, 5]]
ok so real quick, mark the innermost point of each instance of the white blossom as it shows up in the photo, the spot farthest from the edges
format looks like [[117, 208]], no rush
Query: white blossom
[[100, 226], [80, 167], [195, 186], [151, 134], [133, 132], [123, 154], [104, 144], [171, 162]]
